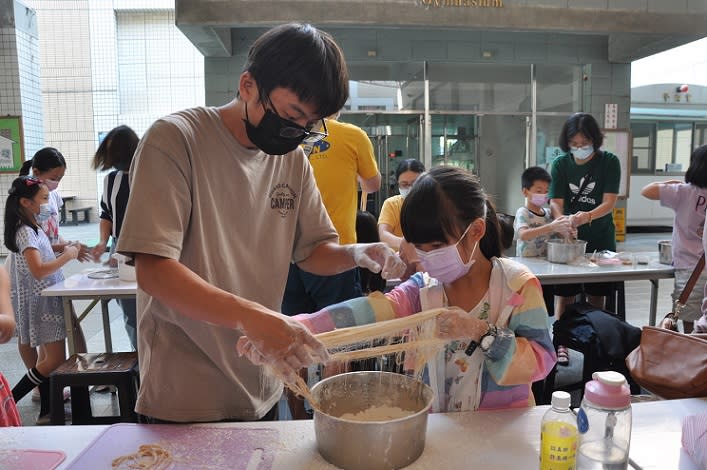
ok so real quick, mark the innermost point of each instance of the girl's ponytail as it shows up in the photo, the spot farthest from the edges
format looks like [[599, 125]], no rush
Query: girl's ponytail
[[490, 243]]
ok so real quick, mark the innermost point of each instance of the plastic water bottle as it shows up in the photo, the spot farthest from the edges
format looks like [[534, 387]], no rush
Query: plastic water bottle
[[604, 423], [558, 435]]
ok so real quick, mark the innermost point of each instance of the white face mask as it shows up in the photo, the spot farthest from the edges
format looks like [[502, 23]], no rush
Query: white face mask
[[582, 153], [403, 191], [45, 211], [445, 264]]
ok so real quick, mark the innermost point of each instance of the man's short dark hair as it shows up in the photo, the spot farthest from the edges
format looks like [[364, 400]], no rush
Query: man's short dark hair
[[533, 174], [302, 59], [585, 124]]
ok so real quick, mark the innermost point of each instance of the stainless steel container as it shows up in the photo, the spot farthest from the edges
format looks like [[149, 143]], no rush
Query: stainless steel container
[[564, 251], [370, 445], [665, 252]]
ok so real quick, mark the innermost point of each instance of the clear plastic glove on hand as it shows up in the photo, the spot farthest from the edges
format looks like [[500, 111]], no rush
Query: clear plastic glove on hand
[[372, 256], [299, 348], [455, 323], [563, 226]]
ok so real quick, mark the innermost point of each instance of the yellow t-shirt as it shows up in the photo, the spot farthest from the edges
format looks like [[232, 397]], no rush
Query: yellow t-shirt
[[337, 160], [390, 214]]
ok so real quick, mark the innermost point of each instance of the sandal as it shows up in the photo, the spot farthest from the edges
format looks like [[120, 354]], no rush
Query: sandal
[[563, 356]]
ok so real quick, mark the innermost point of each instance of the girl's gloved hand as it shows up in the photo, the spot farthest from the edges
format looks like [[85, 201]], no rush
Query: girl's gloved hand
[[456, 323], [378, 258]]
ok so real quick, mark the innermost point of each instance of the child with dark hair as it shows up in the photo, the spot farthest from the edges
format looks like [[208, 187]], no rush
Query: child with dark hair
[[689, 200], [496, 320], [34, 267], [49, 165], [534, 224]]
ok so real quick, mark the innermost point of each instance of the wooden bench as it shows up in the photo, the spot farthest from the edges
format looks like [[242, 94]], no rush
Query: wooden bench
[[75, 215]]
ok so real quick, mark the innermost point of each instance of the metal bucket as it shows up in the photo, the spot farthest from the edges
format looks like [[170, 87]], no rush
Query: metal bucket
[[370, 445], [561, 251], [665, 252]]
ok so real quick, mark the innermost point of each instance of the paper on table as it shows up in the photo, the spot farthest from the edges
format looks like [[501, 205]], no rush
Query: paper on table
[[694, 438]]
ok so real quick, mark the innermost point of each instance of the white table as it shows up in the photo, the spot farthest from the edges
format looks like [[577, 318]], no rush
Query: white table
[[495, 440], [555, 273], [81, 287]]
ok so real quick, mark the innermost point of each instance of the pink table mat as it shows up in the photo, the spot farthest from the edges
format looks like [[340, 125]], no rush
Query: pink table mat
[[190, 446]]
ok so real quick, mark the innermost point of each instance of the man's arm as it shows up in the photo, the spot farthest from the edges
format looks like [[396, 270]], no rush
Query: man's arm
[[370, 185], [182, 290]]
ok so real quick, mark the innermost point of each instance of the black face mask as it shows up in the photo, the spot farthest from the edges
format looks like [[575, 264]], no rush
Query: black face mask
[[269, 135]]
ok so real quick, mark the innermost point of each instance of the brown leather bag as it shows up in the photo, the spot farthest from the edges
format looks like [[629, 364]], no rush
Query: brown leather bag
[[671, 364]]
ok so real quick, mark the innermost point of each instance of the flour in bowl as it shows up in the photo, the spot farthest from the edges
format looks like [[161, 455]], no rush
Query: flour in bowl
[[378, 413]]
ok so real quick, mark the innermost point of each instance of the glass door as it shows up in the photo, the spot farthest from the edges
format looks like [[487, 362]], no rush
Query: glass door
[[503, 148], [395, 137]]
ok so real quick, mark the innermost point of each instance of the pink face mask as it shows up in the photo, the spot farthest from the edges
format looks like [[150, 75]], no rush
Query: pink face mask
[[51, 184], [538, 199], [445, 264]]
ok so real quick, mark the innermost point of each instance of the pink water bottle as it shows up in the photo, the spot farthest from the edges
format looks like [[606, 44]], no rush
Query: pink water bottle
[[604, 423]]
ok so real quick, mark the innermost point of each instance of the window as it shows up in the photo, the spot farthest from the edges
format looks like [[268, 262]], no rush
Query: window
[[665, 147], [643, 147]]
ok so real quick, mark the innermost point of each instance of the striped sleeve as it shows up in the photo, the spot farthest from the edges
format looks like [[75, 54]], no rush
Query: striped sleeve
[[526, 355], [402, 301]]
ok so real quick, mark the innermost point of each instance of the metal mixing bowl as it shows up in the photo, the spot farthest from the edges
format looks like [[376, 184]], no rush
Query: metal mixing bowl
[[564, 251], [370, 445]]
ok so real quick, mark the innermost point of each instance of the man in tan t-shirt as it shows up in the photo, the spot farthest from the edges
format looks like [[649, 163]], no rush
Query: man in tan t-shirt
[[222, 199]]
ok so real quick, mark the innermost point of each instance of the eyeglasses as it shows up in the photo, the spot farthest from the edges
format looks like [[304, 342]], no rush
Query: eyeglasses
[[292, 130]]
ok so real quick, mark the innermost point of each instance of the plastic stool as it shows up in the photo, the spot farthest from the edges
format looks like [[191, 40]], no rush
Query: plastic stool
[[83, 370]]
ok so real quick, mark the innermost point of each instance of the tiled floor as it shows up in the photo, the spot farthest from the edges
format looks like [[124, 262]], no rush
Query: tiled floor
[[637, 300]]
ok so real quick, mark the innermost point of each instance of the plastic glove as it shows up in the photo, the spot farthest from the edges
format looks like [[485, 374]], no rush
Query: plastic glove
[[290, 349], [409, 257], [71, 251], [372, 256], [455, 323], [563, 226]]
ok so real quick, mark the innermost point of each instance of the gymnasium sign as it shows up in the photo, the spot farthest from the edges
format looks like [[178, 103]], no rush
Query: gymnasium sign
[[463, 3]]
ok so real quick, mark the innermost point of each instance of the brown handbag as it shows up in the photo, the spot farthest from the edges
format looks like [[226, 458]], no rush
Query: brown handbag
[[671, 364]]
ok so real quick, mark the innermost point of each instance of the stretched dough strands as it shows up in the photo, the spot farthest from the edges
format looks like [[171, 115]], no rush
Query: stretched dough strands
[[358, 334], [419, 329], [377, 351]]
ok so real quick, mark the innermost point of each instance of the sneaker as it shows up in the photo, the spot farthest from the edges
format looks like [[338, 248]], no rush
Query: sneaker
[[36, 398]]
